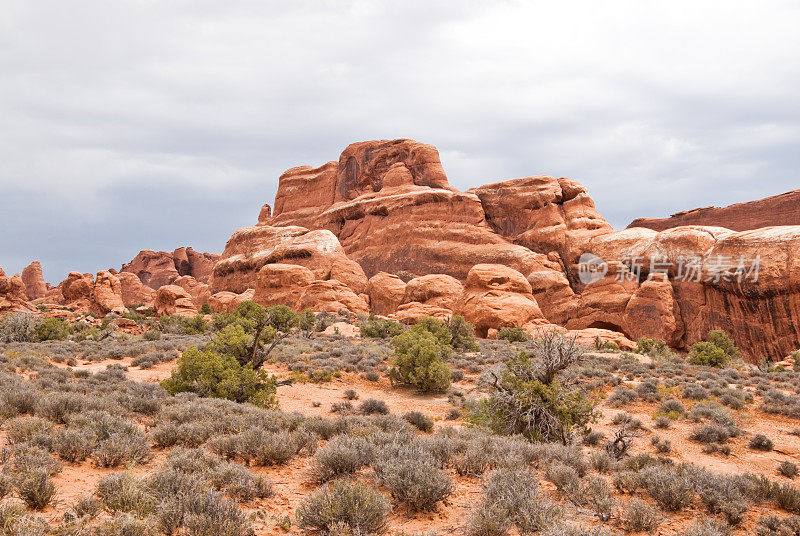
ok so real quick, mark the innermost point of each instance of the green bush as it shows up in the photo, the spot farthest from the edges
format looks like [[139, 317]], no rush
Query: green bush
[[210, 374], [380, 328], [462, 334], [515, 334], [52, 329], [716, 351], [344, 504], [531, 399], [420, 356]]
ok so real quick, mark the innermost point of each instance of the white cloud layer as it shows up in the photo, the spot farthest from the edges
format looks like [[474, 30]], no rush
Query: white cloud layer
[[153, 124]]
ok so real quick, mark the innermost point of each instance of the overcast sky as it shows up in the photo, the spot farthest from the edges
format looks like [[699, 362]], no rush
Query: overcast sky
[[128, 125]]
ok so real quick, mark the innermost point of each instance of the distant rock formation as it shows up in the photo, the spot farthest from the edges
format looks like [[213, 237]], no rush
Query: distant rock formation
[[35, 287], [158, 268], [783, 209]]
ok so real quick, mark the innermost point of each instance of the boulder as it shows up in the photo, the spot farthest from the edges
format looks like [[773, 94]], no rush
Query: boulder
[[158, 268], [497, 296], [296, 286], [35, 287], [227, 302], [12, 294], [653, 312], [386, 293], [440, 290], [251, 248], [77, 290], [134, 292], [200, 292], [174, 300], [411, 312], [107, 294]]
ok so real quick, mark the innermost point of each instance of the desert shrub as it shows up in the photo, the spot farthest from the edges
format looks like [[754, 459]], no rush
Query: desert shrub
[[601, 461], [123, 525], [672, 408], [361, 509], [662, 422], [415, 482], [121, 449], [531, 399], [350, 394], [639, 516], [772, 525], [515, 334], [420, 356], [566, 480], [593, 438], [17, 327], [462, 334], [622, 396], [343, 455], [694, 391], [662, 446], [788, 469], [656, 349], [35, 488], [708, 527], [87, 506], [419, 420], [73, 445], [760, 442], [372, 406], [711, 433], [598, 496], [671, 488], [381, 328], [52, 329], [510, 498], [716, 351], [210, 374], [264, 448], [28, 430]]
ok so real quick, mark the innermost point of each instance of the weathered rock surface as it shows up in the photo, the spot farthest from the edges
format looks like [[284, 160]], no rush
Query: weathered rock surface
[[174, 300], [496, 296], [227, 302], [653, 312], [158, 268], [297, 287], [543, 214], [386, 293], [134, 292], [107, 294], [12, 294], [440, 290], [251, 248], [200, 292], [35, 287], [783, 209], [77, 290]]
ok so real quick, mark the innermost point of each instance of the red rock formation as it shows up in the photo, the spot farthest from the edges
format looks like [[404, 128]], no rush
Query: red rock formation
[[107, 294], [227, 302], [174, 300], [35, 287], [386, 293], [496, 296], [134, 292], [297, 287], [200, 292], [434, 289], [653, 312], [251, 248], [12, 294], [77, 291], [543, 214], [158, 268], [783, 209]]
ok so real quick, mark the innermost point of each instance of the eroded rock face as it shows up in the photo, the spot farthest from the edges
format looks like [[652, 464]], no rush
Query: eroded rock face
[[496, 296], [653, 312], [386, 293], [12, 294], [200, 292], [227, 302], [174, 300], [297, 287], [251, 248], [77, 289], [543, 214], [107, 294], [440, 290], [134, 292], [158, 268], [783, 209], [35, 287]]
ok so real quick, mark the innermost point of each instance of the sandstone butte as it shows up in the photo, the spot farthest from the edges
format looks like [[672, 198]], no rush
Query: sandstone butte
[[381, 230], [775, 210]]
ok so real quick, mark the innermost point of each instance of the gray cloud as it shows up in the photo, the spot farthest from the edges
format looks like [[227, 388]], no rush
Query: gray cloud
[[130, 125]]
